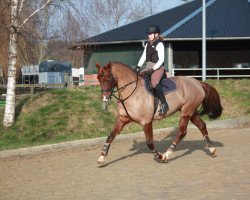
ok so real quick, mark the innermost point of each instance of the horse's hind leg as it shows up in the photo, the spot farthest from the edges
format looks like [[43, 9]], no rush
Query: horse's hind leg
[[148, 130], [182, 132], [201, 125], [119, 124]]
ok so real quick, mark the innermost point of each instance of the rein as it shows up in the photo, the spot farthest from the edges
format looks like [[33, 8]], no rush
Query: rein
[[121, 88]]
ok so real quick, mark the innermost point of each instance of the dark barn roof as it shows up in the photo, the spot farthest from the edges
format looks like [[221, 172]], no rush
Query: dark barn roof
[[228, 19], [225, 19]]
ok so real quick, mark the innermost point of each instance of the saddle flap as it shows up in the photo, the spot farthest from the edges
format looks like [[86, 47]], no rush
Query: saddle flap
[[168, 85]]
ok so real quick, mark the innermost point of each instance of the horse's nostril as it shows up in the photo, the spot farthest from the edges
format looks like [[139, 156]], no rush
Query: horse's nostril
[[105, 98]]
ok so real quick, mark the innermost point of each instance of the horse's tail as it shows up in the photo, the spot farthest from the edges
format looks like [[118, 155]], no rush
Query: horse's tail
[[211, 104]]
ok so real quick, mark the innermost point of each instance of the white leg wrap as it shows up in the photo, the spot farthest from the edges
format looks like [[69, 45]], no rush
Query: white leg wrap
[[168, 154], [212, 150], [101, 160]]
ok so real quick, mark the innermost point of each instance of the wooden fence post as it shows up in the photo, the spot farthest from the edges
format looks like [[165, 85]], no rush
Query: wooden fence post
[[31, 91]]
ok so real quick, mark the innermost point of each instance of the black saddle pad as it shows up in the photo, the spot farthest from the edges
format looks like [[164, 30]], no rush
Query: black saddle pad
[[168, 86]]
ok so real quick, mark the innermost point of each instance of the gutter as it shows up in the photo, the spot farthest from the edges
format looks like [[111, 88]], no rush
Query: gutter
[[207, 38], [111, 42]]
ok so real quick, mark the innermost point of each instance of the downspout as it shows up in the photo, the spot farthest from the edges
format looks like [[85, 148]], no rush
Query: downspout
[[170, 58], [143, 42]]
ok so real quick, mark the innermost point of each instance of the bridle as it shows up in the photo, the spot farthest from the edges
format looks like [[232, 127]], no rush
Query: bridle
[[112, 91]]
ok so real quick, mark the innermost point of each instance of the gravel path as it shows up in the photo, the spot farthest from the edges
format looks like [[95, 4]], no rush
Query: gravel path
[[133, 173]]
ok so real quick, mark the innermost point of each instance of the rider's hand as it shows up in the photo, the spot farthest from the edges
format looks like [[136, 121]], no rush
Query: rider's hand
[[137, 69], [149, 72]]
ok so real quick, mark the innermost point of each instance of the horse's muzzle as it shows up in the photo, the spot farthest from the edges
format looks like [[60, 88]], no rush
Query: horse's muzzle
[[106, 95], [105, 98]]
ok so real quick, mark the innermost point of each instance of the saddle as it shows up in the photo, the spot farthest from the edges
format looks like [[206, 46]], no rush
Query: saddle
[[168, 85]]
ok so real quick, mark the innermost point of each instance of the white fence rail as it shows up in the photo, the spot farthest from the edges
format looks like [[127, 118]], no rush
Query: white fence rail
[[213, 72]]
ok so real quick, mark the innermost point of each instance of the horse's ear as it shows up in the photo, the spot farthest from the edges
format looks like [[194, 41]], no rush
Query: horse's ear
[[108, 66], [97, 66]]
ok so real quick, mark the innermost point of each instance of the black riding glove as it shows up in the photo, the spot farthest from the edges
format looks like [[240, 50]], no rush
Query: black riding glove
[[149, 72], [137, 69]]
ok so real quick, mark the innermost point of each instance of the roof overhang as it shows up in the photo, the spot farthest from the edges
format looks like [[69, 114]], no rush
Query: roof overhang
[[85, 44], [81, 46]]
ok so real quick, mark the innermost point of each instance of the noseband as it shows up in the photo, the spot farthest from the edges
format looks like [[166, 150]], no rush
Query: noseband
[[111, 81]]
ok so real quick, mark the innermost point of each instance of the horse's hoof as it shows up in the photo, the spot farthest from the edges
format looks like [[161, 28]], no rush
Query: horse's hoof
[[212, 151], [166, 156], [100, 161], [164, 159]]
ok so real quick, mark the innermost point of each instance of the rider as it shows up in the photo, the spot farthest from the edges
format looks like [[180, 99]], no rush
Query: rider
[[153, 54]]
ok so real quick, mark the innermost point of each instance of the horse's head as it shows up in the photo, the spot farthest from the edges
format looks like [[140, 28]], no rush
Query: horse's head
[[106, 79]]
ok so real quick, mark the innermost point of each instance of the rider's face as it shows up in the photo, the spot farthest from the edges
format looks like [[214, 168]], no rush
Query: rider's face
[[152, 36]]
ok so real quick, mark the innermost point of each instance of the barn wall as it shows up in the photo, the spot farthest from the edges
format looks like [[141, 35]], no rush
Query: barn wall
[[186, 54], [127, 53], [220, 54]]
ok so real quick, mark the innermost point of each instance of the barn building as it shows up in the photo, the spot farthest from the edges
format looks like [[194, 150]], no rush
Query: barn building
[[227, 36]]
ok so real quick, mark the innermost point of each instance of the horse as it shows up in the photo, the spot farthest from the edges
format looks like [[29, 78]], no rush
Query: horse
[[193, 98]]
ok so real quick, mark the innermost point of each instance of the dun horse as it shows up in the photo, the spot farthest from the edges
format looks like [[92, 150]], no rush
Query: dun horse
[[135, 104]]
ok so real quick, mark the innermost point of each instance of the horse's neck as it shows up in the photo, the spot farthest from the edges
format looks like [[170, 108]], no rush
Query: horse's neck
[[123, 76]]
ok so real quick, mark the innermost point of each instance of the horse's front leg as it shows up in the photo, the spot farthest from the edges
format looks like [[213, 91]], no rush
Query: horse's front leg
[[119, 124], [148, 130]]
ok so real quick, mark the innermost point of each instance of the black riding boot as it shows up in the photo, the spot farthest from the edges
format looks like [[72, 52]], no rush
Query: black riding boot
[[164, 106]]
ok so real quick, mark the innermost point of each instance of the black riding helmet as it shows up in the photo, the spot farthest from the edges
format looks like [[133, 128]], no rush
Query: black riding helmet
[[153, 29]]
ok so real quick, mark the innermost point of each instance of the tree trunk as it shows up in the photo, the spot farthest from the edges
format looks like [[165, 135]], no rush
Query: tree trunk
[[9, 115]]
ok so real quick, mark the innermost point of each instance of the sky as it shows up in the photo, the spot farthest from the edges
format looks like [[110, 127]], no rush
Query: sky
[[168, 4]]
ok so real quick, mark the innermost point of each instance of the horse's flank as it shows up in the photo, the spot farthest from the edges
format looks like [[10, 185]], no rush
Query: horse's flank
[[186, 98]]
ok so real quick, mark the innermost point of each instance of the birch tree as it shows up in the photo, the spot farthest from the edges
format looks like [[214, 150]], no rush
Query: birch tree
[[15, 24], [4, 38]]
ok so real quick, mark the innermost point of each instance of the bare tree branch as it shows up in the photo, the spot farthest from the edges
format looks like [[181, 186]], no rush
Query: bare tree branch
[[46, 4]]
